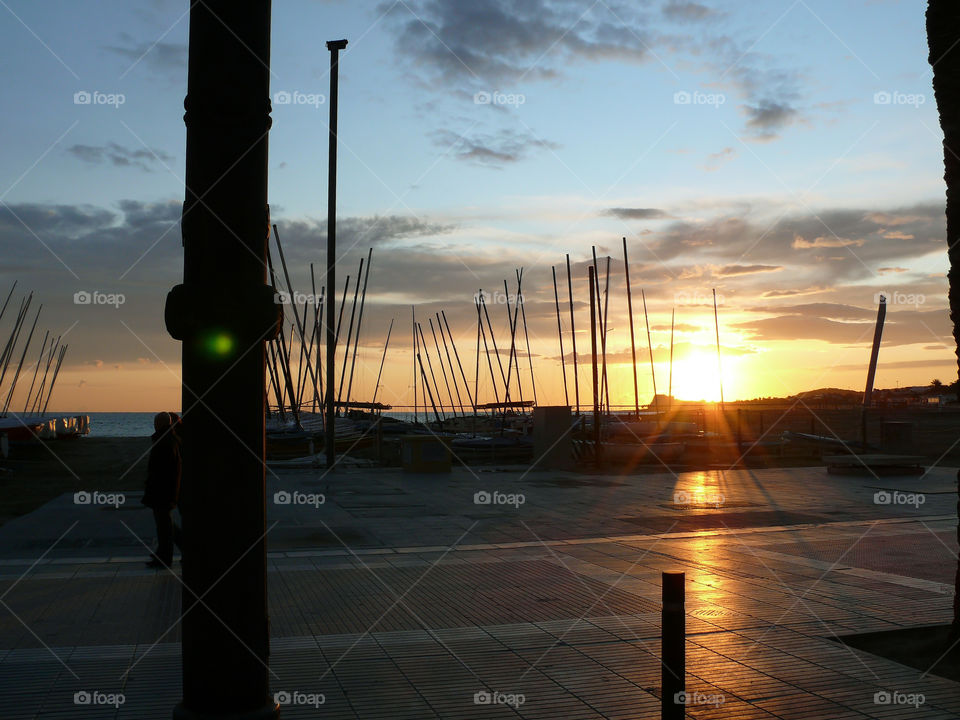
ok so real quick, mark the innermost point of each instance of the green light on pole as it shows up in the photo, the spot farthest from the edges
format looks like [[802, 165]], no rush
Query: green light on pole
[[218, 344]]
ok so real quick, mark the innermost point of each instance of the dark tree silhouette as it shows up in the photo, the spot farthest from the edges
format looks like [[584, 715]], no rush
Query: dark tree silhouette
[[943, 40]]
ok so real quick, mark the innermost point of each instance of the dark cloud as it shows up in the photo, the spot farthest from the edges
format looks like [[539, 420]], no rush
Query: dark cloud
[[301, 235], [687, 11], [834, 311], [465, 47], [120, 156], [625, 213], [434, 264], [500, 41], [496, 149], [768, 117], [825, 248], [905, 327]]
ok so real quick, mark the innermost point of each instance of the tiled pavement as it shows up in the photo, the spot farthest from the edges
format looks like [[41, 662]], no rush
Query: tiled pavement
[[556, 600]]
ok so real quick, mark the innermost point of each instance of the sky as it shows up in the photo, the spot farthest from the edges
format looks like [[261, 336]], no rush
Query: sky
[[785, 154]]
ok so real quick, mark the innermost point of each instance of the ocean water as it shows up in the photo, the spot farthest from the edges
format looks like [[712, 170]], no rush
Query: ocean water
[[140, 424], [119, 424]]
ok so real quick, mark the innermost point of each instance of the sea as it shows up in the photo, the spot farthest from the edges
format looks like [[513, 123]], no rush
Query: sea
[[140, 424], [118, 424]]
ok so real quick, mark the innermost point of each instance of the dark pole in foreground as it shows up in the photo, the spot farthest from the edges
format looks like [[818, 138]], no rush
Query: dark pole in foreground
[[226, 227], [674, 663], [334, 46]]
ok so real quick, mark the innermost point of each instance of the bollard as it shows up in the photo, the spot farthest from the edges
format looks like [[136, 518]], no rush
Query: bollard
[[672, 649]]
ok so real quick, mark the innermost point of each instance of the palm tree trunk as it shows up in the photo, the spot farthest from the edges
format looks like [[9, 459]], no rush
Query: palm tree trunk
[[943, 39]]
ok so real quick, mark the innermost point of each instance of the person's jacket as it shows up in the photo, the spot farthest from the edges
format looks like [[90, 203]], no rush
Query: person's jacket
[[162, 488]]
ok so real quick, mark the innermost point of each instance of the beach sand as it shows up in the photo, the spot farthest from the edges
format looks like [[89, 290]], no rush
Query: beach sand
[[38, 472]]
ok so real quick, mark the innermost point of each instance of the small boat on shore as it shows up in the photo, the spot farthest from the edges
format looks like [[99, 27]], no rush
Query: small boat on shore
[[18, 429]]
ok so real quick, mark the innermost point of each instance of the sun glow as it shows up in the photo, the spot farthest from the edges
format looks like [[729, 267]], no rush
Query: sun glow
[[696, 377]]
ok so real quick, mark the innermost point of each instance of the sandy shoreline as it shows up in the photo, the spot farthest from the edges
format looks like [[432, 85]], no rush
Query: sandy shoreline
[[38, 472]]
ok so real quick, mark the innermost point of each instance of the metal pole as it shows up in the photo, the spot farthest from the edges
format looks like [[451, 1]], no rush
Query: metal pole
[[496, 351], [606, 308], [413, 314], [633, 344], [653, 375], [301, 326], [673, 313], [573, 336], [346, 348], [36, 369], [673, 629], [512, 322], [563, 362], [476, 377], [53, 379], [35, 407], [453, 373], [443, 369], [872, 370], [15, 336], [5, 302], [486, 350], [875, 351], [593, 355], [716, 327], [334, 46], [453, 344], [356, 339], [423, 344], [382, 359], [526, 336], [426, 387], [23, 355]]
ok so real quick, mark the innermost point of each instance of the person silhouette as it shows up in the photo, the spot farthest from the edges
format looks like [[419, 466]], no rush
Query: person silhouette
[[162, 487]]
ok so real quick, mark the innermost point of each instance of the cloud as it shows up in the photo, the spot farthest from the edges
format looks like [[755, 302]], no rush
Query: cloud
[[793, 292], [834, 311], [906, 327], [888, 270], [464, 47], [495, 150], [824, 242], [685, 12], [892, 218], [718, 159], [625, 213], [768, 117], [164, 57], [730, 270], [120, 156], [440, 262], [358, 233], [500, 41]]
